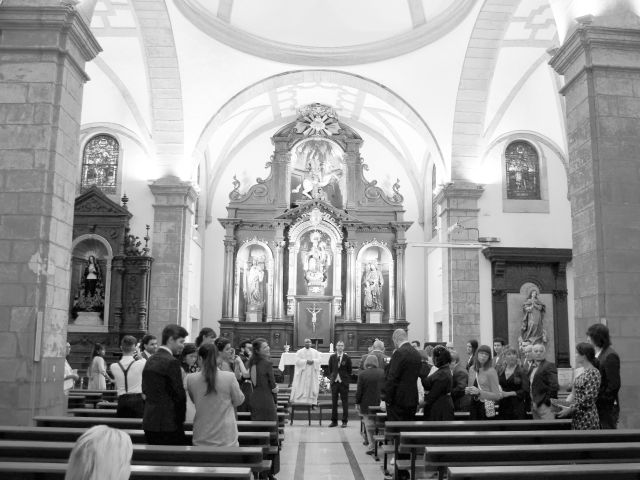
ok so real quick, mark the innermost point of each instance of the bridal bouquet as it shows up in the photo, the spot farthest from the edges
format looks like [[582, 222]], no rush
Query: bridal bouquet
[[325, 383]]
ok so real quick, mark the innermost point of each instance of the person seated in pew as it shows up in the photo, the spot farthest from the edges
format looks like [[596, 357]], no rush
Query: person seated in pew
[[514, 382], [127, 374], [100, 453], [438, 404], [483, 384], [215, 394], [370, 383]]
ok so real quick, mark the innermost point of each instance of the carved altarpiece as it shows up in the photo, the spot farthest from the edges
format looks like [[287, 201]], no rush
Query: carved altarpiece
[[114, 301], [302, 245]]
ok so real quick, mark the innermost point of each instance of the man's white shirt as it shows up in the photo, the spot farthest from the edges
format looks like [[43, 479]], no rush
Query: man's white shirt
[[134, 375]]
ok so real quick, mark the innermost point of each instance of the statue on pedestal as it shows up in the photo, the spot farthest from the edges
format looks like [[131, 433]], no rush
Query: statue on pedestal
[[254, 285], [372, 285], [315, 263], [532, 329]]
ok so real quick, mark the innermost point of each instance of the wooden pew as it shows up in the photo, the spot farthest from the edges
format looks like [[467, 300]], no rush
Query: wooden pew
[[56, 471], [252, 457], [91, 398], [107, 395], [525, 455], [624, 471], [416, 442], [392, 430], [92, 412], [55, 434]]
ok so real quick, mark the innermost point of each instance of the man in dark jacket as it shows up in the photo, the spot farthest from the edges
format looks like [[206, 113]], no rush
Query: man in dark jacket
[[544, 385], [609, 366], [340, 376], [460, 381], [165, 398], [401, 384]]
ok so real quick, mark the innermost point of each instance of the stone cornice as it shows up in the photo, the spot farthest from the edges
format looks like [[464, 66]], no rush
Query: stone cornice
[[60, 18], [459, 190], [173, 192], [530, 255]]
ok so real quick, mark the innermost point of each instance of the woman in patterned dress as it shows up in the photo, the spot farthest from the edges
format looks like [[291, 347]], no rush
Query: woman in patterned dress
[[582, 401]]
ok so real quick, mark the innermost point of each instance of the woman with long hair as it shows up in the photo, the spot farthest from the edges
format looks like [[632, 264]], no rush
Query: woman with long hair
[[515, 386], [582, 408], [98, 369], [215, 394], [100, 452], [206, 335], [472, 347], [263, 397], [483, 384]]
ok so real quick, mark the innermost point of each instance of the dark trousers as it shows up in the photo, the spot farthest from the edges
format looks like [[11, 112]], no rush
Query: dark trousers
[[342, 389], [609, 414], [477, 411], [401, 414], [176, 437], [130, 405]]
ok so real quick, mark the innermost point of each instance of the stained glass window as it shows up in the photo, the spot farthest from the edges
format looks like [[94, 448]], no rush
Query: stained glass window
[[100, 164], [523, 171]]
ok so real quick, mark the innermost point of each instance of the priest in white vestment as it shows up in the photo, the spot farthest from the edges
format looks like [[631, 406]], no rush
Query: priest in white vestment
[[306, 385]]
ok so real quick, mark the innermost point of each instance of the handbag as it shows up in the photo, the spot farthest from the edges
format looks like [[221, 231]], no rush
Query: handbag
[[489, 405]]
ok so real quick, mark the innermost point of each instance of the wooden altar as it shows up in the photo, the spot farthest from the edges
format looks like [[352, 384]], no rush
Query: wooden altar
[[314, 250]]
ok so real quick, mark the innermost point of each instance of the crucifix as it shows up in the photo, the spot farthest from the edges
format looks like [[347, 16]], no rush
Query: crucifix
[[314, 316]]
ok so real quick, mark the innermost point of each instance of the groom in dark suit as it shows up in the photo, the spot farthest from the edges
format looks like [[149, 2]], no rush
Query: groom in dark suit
[[401, 384], [340, 375], [165, 398], [544, 385]]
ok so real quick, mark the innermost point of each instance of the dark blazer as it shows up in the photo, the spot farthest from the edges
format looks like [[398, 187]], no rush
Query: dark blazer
[[401, 384], [544, 385], [609, 366], [438, 404], [460, 380], [370, 382], [344, 369], [165, 402]]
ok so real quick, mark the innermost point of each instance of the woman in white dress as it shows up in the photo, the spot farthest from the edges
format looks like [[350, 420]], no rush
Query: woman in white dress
[[98, 369]]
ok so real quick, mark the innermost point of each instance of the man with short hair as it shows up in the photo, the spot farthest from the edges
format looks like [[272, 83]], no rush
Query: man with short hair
[[128, 378], [460, 381], [528, 363], [149, 345], [544, 385], [608, 404], [165, 398], [305, 386], [339, 376], [498, 357], [400, 388], [378, 351]]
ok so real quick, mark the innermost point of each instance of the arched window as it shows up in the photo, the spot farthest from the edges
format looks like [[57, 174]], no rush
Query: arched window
[[522, 171], [100, 164]]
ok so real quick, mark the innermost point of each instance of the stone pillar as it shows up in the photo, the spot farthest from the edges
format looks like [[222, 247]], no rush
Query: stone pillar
[[350, 300], [600, 61], [278, 274], [43, 49], [400, 285], [173, 215], [461, 269]]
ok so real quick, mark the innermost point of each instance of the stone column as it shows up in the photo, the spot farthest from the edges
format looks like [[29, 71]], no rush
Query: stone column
[[278, 274], [600, 61], [171, 237], [461, 269], [43, 49], [400, 300], [350, 300]]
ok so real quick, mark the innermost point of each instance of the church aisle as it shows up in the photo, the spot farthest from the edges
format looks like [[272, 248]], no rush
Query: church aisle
[[321, 453]]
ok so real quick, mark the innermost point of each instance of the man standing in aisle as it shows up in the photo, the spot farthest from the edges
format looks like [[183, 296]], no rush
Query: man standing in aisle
[[165, 398], [306, 385], [401, 383], [544, 385], [340, 375], [128, 379], [609, 366]]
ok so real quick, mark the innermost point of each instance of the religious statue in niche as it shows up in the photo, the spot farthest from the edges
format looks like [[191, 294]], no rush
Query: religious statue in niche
[[372, 286], [254, 286], [320, 166], [532, 330], [90, 295], [315, 263]]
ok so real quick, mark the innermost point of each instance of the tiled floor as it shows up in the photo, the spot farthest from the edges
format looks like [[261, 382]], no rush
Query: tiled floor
[[322, 453]]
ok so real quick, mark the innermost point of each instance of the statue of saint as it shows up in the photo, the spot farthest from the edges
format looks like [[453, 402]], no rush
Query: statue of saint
[[372, 284], [91, 291], [532, 329], [255, 279], [316, 261]]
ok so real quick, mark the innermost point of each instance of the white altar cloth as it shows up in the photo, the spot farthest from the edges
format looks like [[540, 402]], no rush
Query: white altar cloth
[[290, 359]]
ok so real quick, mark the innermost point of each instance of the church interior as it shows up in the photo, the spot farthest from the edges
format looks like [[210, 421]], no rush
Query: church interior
[[331, 170]]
